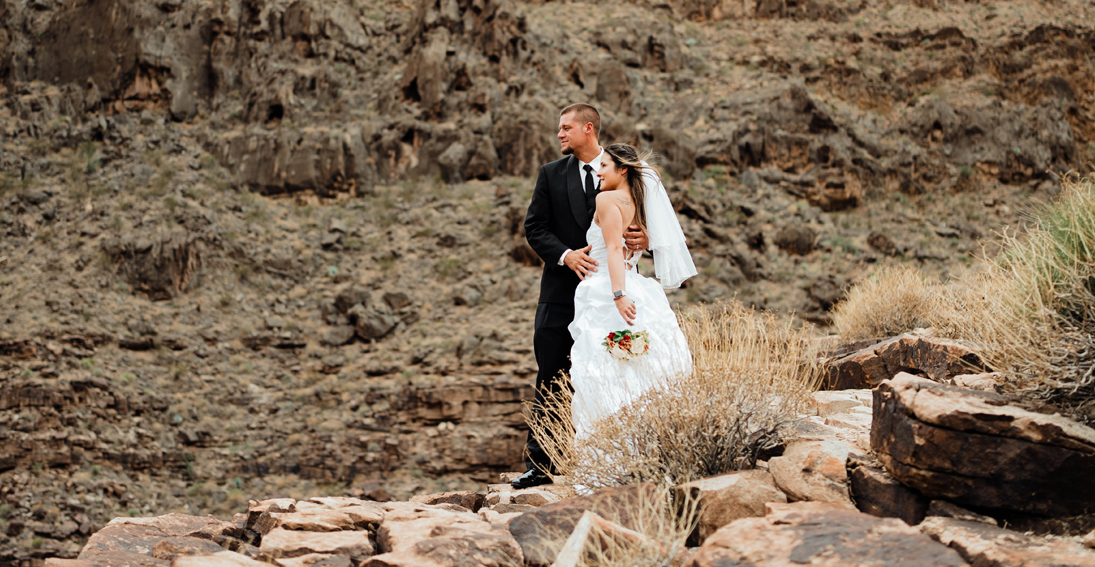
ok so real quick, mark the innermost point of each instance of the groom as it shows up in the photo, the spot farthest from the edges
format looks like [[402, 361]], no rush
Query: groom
[[561, 211]]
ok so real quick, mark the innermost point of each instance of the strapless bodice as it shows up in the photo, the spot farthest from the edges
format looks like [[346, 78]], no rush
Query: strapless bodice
[[599, 252]]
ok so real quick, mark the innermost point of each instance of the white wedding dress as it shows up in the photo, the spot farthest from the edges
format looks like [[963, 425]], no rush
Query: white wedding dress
[[603, 384]]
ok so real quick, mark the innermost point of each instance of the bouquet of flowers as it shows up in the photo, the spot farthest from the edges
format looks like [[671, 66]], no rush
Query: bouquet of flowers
[[625, 345]]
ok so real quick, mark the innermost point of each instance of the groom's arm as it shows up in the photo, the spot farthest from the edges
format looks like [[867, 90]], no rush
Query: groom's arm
[[539, 236]]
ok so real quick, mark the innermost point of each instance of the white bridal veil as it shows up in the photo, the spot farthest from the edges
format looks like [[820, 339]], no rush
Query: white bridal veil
[[672, 262]]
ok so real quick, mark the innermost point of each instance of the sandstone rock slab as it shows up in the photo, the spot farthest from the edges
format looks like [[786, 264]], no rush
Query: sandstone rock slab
[[984, 545], [876, 493], [288, 543], [725, 498], [140, 535], [970, 448], [444, 540], [813, 533], [542, 532], [826, 403], [320, 518], [938, 358], [813, 470], [469, 499]]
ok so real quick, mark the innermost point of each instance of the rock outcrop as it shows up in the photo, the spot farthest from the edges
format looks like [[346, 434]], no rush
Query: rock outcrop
[[989, 546], [937, 358], [821, 534], [723, 499], [971, 448]]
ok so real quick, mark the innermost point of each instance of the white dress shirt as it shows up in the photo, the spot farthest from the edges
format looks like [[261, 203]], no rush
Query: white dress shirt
[[595, 163]]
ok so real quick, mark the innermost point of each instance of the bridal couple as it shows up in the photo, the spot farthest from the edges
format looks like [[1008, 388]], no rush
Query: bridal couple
[[592, 215]]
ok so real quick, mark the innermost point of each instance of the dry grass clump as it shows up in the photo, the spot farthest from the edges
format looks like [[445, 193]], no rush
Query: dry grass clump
[[641, 526], [751, 375], [1033, 313], [892, 301]]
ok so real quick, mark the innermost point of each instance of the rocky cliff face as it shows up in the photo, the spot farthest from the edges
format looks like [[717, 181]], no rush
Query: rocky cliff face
[[275, 248]]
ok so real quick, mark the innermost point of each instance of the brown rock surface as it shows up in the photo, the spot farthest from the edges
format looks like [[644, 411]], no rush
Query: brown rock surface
[[876, 493], [413, 536], [173, 547], [222, 559], [813, 533], [323, 515], [813, 471], [139, 536], [971, 448], [469, 499], [940, 359], [289, 543], [543, 531], [984, 545], [725, 498]]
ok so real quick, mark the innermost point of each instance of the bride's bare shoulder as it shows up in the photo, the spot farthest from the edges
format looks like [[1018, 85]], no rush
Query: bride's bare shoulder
[[615, 198]]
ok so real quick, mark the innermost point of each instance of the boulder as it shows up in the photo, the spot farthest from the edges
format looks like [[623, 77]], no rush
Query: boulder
[[467, 498], [374, 321], [725, 498], [813, 533], [876, 493], [937, 358], [255, 510], [319, 518], [504, 494], [420, 536], [882, 243], [985, 545], [542, 532], [797, 239], [971, 448], [281, 542], [813, 470], [826, 403], [139, 536]]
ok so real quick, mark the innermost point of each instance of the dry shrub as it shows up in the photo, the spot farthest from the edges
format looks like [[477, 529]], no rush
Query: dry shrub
[[643, 526], [892, 301], [751, 375], [1033, 312]]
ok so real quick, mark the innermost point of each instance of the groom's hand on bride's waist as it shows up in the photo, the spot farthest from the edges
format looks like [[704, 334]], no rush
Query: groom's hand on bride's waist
[[635, 238], [580, 262]]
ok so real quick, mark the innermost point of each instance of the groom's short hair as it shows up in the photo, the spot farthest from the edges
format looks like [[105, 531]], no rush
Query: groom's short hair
[[585, 113]]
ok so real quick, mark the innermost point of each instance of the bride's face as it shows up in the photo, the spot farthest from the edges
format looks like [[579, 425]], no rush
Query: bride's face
[[610, 175]]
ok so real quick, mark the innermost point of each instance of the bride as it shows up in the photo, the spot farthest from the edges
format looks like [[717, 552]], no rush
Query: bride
[[609, 371]]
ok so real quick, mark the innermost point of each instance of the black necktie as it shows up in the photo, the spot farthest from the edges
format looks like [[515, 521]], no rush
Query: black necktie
[[591, 191]]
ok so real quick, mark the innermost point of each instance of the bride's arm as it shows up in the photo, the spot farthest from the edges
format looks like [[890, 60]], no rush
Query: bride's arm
[[611, 221]]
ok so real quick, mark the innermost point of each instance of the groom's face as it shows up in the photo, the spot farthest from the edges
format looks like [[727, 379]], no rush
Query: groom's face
[[573, 135]]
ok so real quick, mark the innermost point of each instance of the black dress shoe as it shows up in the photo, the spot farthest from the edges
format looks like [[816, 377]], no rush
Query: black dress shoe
[[531, 478]]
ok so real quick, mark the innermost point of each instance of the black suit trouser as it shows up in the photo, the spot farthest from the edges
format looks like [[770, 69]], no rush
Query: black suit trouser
[[551, 342]]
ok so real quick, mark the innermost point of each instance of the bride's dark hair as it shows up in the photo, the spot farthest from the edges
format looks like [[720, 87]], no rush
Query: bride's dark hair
[[624, 155]]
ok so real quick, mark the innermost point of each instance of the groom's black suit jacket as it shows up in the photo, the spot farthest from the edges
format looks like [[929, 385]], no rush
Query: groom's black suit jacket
[[558, 219]]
